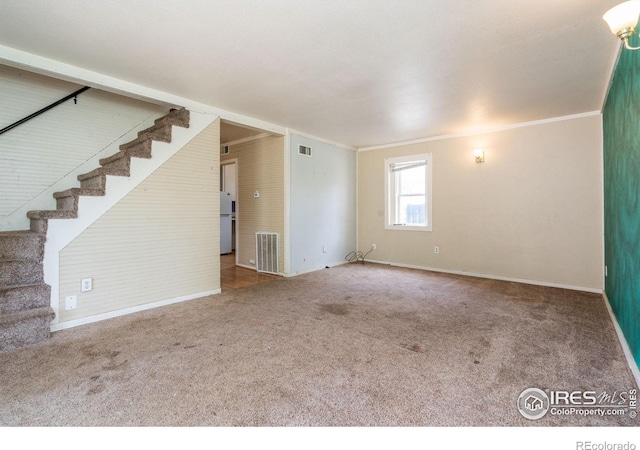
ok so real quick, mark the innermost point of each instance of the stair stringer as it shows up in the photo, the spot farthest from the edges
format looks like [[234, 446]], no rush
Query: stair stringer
[[61, 232]]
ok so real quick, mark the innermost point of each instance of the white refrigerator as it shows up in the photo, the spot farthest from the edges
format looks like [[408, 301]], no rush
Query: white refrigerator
[[225, 223]]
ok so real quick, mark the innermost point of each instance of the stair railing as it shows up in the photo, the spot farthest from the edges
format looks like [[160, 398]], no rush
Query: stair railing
[[45, 109]]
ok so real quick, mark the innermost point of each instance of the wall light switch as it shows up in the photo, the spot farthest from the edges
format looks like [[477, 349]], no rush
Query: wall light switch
[[87, 284], [71, 302]]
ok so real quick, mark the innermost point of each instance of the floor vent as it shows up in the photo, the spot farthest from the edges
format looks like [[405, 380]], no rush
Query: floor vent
[[267, 245]]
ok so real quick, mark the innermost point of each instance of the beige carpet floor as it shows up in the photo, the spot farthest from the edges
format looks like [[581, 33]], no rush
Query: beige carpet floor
[[354, 345]]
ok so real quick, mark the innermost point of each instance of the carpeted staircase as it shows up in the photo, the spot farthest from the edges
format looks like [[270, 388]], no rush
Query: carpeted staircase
[[25, 311]]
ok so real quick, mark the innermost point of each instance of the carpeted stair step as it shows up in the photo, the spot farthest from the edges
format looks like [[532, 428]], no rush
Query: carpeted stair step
[[25, 328], [66, 204], [39, 219], [140, 150], [161, 129], [104, 171], [140, 147], [68, 200], [119, 161], [178, 117], [156, 132], [14, 299], [181, 116], [161, 134], [96, 179], [52, 214], [38, 226], [22, 245], [16, 272]]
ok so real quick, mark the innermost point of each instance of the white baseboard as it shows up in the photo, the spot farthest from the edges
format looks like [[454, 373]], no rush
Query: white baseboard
[[255, 269], [301, 272], [623, 341], [491, 277], [133, 309]]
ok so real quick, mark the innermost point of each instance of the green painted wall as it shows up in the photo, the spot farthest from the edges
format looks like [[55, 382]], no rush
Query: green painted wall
[[621, 130]]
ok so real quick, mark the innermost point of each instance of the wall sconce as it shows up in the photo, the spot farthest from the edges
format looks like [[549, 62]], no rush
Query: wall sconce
[[479, 154], [622, 20]]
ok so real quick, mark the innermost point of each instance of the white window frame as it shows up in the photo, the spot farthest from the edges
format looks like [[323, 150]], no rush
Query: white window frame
[[390, 203]]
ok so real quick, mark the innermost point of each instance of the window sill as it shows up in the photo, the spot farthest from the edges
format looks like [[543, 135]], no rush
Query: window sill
[[407, 228]]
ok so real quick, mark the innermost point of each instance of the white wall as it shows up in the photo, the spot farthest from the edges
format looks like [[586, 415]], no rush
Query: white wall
[[532, 211], [322, 204], [40, 152]]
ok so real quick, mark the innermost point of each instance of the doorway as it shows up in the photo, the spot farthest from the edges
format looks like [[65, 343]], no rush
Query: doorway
[[229, 184], [238, 177]]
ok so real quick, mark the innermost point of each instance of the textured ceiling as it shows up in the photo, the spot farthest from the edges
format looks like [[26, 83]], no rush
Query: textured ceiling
[[357, 72]]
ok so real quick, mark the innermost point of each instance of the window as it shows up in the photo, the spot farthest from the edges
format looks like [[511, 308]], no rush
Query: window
[[408, 193]]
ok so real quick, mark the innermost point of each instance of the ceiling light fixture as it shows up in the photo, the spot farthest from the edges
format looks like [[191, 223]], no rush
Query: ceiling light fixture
[[622, 20]]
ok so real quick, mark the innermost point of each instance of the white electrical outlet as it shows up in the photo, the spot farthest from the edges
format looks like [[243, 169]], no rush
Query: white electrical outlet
[[252, 261], [71, 302], [87, 284], [373, 246], [436, 250], [324, 249]]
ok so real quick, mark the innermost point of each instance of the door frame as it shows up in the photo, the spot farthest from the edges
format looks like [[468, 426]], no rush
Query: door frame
[[235, 220]]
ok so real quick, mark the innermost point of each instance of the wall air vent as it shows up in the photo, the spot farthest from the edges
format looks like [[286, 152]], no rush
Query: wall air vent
[[304, 150], [267, 249], [224, 150]]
